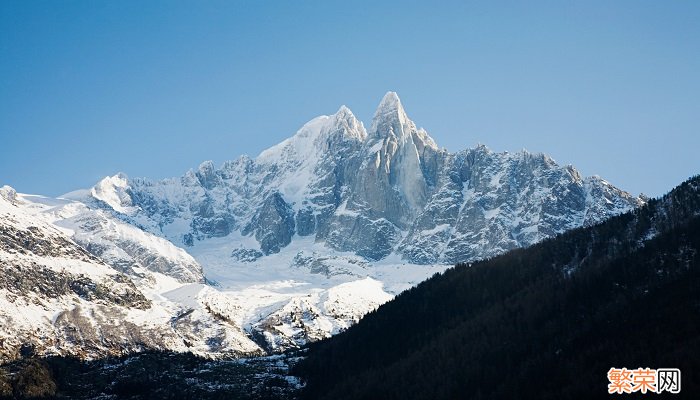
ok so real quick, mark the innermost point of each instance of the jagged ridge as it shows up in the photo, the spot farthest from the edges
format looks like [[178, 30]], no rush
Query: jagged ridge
[[389, 190]]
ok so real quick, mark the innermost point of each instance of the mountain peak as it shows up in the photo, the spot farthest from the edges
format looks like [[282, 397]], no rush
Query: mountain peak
[[345, 120], [390, 105], [344, 111], [391, 119], [113, 190], [119, 179], [390, 116], [8, 193], [343, 114], [390, 99]]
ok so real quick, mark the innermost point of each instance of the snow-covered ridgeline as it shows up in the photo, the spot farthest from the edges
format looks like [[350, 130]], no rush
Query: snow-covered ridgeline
[[291, 246]]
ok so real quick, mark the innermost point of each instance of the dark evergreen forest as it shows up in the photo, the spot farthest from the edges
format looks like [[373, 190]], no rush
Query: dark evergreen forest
[[545, 322]]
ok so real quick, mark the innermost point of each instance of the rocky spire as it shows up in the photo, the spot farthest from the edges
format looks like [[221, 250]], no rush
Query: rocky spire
[[390, 117]]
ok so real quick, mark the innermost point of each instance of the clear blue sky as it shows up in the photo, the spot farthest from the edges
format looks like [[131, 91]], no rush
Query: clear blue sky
[[151, 88]]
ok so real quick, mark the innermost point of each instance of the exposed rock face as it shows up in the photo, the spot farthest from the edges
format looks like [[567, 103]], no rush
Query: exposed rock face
[[273, 224], [305, 222], [23, 279], [207, 175], [374, 193], [487, 203], [370, 238], [246, 255]]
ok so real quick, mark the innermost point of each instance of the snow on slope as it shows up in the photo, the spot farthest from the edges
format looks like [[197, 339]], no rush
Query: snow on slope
[[303, 240], [306, 291], [115, 242], [250, 301], [298, 156], [59, 299]]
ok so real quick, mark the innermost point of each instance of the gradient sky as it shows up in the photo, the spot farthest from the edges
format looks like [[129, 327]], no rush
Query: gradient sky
[[88, 89]]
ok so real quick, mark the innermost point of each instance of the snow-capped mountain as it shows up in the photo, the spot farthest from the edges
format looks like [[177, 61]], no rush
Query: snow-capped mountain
[[293, 245], [389, 190]]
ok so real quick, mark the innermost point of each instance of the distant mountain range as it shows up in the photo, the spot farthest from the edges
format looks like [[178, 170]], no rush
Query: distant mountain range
[[389, 190], [265, 254]]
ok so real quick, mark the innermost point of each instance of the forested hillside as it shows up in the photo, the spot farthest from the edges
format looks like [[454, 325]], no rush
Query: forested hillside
[[548, 321]]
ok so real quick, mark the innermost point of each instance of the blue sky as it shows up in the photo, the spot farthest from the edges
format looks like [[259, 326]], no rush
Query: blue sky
[[88, 89]]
